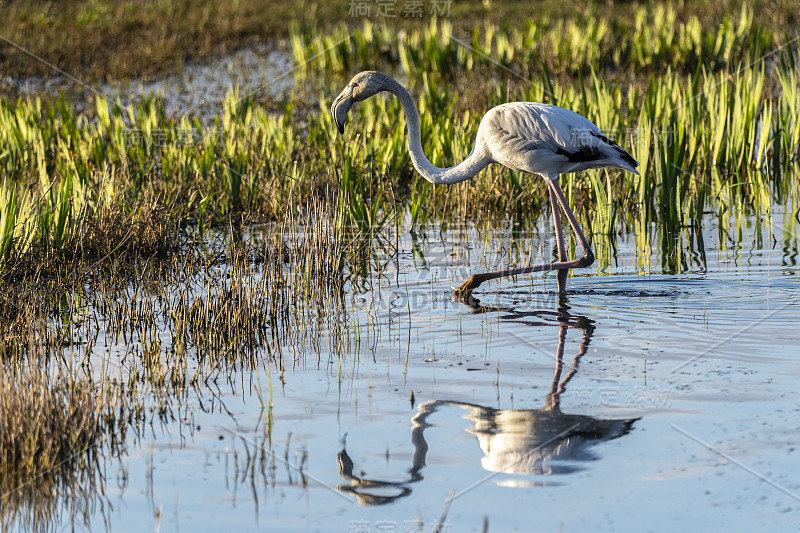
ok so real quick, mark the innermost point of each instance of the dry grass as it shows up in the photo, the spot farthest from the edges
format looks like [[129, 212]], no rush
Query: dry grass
[[100, 40], [55, 433]]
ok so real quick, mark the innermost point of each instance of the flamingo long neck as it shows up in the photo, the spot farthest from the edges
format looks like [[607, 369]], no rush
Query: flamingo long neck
[[476, 161]]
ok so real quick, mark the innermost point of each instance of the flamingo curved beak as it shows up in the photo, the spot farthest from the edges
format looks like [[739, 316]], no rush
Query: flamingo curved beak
[[341, 106]]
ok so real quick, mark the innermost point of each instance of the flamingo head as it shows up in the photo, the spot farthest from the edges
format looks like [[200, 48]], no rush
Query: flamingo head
[[362, 86]]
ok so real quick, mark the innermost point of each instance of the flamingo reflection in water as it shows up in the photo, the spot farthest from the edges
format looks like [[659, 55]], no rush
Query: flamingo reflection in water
[[514, 441]]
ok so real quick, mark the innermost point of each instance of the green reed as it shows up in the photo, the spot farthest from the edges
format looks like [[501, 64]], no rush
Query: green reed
[[705, 139], [585, 42]]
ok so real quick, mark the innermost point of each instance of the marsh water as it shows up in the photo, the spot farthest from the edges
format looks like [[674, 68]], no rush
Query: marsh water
[[660, 394], [197, 89]]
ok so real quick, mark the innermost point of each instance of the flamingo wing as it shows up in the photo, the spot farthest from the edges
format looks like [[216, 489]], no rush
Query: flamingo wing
[[548, 140]]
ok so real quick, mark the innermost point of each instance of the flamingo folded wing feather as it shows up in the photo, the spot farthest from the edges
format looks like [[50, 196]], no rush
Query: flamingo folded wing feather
[[546, 140]]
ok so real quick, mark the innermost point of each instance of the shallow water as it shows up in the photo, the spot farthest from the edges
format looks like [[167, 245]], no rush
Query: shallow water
[[196, 89], [199, 89], [643, 402]]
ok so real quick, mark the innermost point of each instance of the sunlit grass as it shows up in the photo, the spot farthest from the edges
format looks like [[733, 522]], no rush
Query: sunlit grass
[[694, 137], [586, 42]]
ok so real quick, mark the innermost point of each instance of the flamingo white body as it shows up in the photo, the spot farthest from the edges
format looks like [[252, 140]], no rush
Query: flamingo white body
[[547, 140], [526, 136]]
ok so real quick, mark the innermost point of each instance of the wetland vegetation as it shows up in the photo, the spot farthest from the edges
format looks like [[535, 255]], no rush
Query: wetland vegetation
[[147, 260]]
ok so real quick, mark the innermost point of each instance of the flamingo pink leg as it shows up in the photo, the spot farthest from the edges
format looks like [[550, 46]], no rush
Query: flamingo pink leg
[[562, 264]]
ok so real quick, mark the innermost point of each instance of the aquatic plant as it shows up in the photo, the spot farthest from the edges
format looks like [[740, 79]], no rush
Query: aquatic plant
[[586, 42], [56, 432], [705, 138]]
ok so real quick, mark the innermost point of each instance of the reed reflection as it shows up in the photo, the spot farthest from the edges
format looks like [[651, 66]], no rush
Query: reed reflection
[[528, 442]]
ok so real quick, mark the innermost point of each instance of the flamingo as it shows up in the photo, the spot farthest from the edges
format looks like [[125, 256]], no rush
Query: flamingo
[[530, 137]]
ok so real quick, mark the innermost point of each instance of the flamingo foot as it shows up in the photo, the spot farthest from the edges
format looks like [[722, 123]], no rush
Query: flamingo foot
[[466, 288]]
